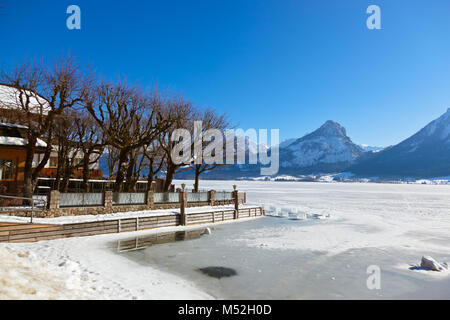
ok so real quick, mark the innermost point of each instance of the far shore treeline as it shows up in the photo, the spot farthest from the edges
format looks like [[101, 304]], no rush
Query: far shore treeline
[[77, 111]]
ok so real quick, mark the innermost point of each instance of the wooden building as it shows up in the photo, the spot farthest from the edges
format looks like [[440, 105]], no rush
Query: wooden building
[[12, 157]]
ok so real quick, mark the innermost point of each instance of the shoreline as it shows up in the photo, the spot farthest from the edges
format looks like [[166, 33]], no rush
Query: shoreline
[[96, 273]]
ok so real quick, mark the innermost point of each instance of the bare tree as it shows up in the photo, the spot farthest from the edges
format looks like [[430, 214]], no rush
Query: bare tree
[[180, 113], [129, 119], [91, 143], [63, 141], [38, 95], [156, 159], [210, 120], [136, 163], [112, 159]]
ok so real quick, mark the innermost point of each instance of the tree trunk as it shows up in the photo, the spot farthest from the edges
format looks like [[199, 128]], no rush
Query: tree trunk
[[28, 169], [169, 177], [149, 179], [123, 155], [59, 169], [66, 177], [132, 186], [197, 176], [130, 174], [85, 183]]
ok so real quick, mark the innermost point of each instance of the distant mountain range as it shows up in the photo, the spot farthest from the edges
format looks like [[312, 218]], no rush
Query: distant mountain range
[[424, 154], [328, 151], [371, 148]]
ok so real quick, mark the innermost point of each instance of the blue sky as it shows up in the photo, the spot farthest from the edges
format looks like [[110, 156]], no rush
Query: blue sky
[[290, 65]]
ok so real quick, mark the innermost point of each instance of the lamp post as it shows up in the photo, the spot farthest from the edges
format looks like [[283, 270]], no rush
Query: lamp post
[[236, 202], [182, 195]]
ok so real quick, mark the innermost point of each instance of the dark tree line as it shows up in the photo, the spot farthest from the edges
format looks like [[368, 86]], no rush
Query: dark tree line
[[80, 115]]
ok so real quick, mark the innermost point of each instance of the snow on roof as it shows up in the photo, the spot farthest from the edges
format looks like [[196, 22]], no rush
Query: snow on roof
[[14, 141], [3, 124], [10, 99]]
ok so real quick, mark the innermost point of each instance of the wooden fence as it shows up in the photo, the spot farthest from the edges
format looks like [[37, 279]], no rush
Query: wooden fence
[[13, 232], [68, 204]]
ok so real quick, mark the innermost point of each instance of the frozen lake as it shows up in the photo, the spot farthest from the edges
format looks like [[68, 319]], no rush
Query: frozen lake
[[388, 225]]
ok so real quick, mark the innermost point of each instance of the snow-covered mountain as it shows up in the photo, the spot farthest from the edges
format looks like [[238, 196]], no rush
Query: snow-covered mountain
[[425, 154], [371, 148], [326, 150], [327, 147], [286, 143]]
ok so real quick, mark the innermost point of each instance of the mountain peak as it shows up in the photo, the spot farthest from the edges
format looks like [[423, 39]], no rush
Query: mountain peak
[[331, 128], [327, 148]]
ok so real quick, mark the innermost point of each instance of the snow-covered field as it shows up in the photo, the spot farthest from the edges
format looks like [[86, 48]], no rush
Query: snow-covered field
[[388, 225], [361, 215]]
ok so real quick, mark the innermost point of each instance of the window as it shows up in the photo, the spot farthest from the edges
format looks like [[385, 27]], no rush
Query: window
[[78, 161], [6, 169], [53, 162], [9, 131]]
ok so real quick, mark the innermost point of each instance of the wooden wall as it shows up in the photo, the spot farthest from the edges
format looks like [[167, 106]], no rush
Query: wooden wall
[[10, 232]]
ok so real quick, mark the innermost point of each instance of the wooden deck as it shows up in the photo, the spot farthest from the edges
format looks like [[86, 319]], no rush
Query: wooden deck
[[26, 232]]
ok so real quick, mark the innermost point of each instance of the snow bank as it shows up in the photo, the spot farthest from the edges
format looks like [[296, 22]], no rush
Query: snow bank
[[24, 276], [88, 268]]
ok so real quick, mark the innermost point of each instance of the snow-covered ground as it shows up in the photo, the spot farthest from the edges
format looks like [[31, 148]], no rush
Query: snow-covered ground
[[390, 225], [87, 268]]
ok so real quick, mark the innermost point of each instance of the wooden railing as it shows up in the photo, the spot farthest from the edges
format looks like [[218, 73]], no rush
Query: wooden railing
[[31, 200]]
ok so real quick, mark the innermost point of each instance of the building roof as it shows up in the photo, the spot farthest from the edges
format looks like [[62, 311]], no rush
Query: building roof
[[10, 99], [14, 135]]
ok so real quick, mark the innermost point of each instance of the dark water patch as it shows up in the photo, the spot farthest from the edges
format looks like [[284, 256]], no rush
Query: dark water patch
[[218, 272]]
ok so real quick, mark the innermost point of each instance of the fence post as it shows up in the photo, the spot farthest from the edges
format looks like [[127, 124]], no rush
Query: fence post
[[150, 197], [236, 203], [183, 205], [53, 202], [212, 197], [108, 198]]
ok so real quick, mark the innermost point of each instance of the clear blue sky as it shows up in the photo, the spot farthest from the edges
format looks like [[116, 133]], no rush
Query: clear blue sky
[[290, 65]]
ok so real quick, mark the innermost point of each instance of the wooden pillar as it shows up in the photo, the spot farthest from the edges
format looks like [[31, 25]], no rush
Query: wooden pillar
[[53, 202], [108, 201], [236, 203], [183, 205], [212, 197], [150, 197]]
